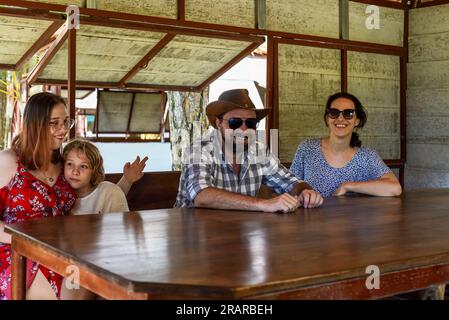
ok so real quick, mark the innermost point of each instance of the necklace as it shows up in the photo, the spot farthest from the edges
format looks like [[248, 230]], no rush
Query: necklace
[[47, 178]]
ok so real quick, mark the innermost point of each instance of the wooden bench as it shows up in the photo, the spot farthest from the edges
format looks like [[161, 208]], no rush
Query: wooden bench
[[158, 190]]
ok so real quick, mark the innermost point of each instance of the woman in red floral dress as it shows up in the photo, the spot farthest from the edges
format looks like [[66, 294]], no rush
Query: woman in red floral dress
[[32, 185]]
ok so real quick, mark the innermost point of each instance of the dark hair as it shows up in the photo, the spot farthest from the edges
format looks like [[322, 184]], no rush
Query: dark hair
[[359, 111], [33, 142]]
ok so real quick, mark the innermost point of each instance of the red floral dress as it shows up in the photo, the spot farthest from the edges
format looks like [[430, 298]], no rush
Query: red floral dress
[[26, 197]]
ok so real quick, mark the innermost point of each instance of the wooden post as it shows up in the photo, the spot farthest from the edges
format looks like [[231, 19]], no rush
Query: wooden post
[[18, 274], [71, 85]]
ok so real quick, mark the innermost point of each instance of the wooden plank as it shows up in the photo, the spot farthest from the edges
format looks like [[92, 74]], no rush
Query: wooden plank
[[433, 3], [113, 85], [11, 67], [344, 70], [384, 3], [89, 278], [71, 83], [156, 190], [51, 52], [42, 41], [181, 9], [391, 284], [146, 59], [130, 112], [18, 273], [269, 102], [228, 66]]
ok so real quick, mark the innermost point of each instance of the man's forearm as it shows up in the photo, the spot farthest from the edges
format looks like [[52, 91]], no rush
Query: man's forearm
[[300, 187], [221, 199]]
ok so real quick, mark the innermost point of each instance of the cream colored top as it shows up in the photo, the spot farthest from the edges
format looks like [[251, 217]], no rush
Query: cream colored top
[[107, 197]]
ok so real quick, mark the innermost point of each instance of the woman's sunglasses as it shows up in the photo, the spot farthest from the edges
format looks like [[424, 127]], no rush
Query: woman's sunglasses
[[235, 123], [348, 114]]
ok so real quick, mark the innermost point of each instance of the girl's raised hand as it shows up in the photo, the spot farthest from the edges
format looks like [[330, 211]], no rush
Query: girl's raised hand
[[134, 171]]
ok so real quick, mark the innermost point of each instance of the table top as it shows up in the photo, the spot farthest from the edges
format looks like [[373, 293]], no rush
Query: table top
[[229, 254]]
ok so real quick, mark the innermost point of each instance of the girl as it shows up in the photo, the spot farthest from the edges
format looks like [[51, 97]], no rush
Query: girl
[[339, 163], [32, 186], [83, 169]]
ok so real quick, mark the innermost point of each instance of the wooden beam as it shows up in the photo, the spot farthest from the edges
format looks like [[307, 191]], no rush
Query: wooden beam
[[41, 42], [51, 52], [344, 70], [228, 65], [30, 13], [344, 19], [147, 58], [383, 3], [164, 112], [18, 273], [115, 85], [432, 3], [181, 10], [261, 18], [275, 108], [131, 109], [168, 29], [4, 66], [136, 86], [348, 45], [71, 84], [270, 88]]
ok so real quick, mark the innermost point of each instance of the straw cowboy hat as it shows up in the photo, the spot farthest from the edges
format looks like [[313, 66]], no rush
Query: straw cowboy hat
[[230, 100]]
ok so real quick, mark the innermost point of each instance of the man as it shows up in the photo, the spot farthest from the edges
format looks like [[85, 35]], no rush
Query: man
[[226, 169]]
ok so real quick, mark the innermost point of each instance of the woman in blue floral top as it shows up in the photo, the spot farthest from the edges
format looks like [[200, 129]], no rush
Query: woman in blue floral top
[[339, 164]]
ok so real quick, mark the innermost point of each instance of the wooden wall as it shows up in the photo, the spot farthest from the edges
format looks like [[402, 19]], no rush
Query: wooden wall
[[375, 80], [428, 99], [307, 76]]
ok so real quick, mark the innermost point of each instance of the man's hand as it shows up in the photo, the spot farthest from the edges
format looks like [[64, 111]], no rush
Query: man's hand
[[134, 171], [284, 203], [310, 199]]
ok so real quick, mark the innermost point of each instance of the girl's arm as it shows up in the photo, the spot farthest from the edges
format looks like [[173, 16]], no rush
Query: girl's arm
[[386, 186], [132, 172]]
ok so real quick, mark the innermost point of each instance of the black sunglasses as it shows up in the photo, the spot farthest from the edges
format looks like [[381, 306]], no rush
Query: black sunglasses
[[235, 123], [348, 114]]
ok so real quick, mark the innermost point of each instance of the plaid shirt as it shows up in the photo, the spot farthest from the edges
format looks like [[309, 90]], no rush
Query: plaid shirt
[[201, 170]]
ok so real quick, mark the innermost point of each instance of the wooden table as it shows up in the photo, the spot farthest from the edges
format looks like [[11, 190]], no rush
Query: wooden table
[[197, 253]]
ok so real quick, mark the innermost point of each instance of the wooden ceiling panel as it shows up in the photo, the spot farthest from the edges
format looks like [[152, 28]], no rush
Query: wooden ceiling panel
[[25, 31], [103, 54], [189, 61]]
